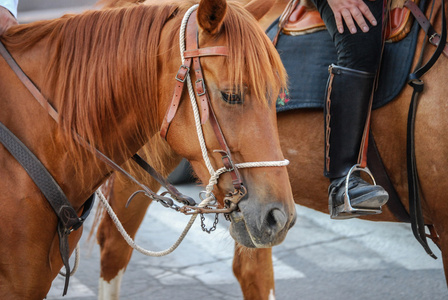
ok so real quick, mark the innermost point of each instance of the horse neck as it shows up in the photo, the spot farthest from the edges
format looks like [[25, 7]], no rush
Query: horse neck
[[38, 132]]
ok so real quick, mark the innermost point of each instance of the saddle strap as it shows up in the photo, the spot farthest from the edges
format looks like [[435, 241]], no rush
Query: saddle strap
[[434, 37], [376, 165], [68, 219], [415, 207]]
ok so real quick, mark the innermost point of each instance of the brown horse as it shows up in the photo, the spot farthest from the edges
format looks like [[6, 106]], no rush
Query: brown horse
[[301, 138], [110, 76]]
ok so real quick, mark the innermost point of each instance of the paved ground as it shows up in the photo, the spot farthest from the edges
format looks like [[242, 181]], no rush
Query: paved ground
[[320, 259]]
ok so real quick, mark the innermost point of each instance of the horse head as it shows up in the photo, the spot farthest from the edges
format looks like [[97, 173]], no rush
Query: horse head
[[242, 84]]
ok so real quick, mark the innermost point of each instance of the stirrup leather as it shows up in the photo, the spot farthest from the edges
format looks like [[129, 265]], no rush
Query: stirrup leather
[[346, 211]]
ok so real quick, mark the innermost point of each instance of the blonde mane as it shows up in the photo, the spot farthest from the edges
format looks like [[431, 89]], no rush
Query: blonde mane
[[103, 67]]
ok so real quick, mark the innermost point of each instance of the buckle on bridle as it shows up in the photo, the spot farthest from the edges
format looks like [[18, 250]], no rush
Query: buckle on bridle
[[180, 76], [200, 87], [228, 162]]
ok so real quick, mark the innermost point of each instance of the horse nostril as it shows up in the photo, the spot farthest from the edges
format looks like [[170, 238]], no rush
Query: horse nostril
[[276, 219]]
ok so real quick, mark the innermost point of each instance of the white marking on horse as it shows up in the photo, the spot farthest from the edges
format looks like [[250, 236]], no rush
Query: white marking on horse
[[110, 290], [271, 295]]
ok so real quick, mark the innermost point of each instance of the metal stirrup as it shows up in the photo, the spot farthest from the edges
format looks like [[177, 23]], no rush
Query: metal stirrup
[[346, 210]]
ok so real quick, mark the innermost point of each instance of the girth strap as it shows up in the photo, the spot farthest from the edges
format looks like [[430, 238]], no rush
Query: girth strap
[[67, 216]]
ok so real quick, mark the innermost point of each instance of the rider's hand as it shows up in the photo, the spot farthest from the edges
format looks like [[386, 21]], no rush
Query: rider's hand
[[6, 19], [351, 11]]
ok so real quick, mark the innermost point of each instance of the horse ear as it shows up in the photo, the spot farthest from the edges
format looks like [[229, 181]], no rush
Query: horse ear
[[259, 8], [211, 15]]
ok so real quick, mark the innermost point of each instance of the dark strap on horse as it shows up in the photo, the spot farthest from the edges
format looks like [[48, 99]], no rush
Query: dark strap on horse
[[434, 37], [415, 208], [67, 216], [160, 179], [27, 82], [379, 172]]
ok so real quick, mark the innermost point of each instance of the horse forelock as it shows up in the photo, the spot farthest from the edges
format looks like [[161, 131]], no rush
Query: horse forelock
[[253, 60]]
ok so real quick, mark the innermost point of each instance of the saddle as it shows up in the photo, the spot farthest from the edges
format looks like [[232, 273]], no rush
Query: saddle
[[302, 18]]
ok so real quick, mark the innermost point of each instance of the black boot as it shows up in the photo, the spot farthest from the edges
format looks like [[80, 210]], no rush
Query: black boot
[[346, 109]]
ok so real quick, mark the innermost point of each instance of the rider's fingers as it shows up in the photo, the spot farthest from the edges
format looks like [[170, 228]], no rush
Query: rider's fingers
[[359, 18], [339, 23], [367, 13], [348, 20]]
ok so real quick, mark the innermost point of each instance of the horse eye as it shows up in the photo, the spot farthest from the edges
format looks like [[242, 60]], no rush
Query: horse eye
[[232, 98]]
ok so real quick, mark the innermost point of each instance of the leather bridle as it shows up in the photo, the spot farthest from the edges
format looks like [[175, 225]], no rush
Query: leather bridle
[[192, 57]]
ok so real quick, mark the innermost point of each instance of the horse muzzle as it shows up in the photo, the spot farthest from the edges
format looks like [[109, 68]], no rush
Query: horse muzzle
[[258, 225]]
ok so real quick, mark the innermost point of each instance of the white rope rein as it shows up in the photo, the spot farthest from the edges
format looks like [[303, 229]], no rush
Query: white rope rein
[[214, 174], [131, 242]]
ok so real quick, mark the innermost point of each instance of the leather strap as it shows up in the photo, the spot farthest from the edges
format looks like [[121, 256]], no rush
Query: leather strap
[[177, 96], [207, 109], [192, 44], [210, 51], [434, 37], [415, 208], [27, 82], [178, 196], [379, 172], [284, 17], [68, 219]]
